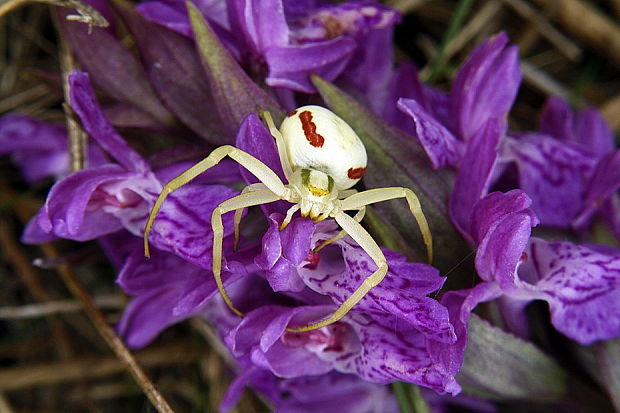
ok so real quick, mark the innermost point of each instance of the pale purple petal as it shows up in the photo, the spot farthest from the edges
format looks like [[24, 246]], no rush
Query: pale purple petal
[[554, 174], [82, 219], [486, 85], [582, 287], [441, 146], [261, 23], [398, 301], [586, 128], [183, 226]]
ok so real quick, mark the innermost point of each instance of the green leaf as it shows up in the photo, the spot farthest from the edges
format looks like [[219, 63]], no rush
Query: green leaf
[[609, 360], [396, 159], [236, 95], [501, 366]]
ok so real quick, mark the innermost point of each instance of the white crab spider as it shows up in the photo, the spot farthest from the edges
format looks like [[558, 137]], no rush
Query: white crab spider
[[322, 158]]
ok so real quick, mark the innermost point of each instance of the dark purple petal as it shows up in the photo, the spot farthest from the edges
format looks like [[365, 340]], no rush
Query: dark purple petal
[[38, 148], [175, 71], [370, 69], [255, 139], [441, 146], [291, 66], [486, 85], [140, 275], [603, 184], [554, 174], [283, 251], [495, 206], [148, 315], [113, 67], [335, 393], [84, 103], [582, 287], [594, 132], [557, 120], [505, 226], [474, 175], [167, 289], [405, 83]]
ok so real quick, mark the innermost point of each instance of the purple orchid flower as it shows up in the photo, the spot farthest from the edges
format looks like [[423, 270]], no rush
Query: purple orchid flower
[[580, 283], [357, 344], [286, 41], [484, 88], [464, 129], [570, 169], [331, 392], [38, 148], [111, 197]]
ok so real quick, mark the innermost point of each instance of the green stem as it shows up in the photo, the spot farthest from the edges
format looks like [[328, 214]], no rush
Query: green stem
[[438, 65]]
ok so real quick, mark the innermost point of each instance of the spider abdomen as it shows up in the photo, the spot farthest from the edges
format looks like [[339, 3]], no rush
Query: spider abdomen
[[316, 138]]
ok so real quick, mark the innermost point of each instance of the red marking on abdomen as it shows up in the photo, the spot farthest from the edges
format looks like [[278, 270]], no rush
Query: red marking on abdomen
[[309, 128], [291, 113], [356, 173]]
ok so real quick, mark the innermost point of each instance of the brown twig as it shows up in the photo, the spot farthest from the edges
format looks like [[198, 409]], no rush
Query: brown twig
[[106, 331], [15, 254], [538, 22], [586, 23], [75, 134], [57, 307], [611, 112], [90, 367]]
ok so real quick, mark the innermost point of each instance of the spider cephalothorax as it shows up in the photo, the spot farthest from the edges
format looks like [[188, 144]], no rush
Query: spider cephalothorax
[[322, 158]]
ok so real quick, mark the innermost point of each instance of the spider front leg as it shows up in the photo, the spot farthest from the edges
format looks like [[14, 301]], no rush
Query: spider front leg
[[363, 238], [372, 196], [248, 199], [255, 166], [358, 217]]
